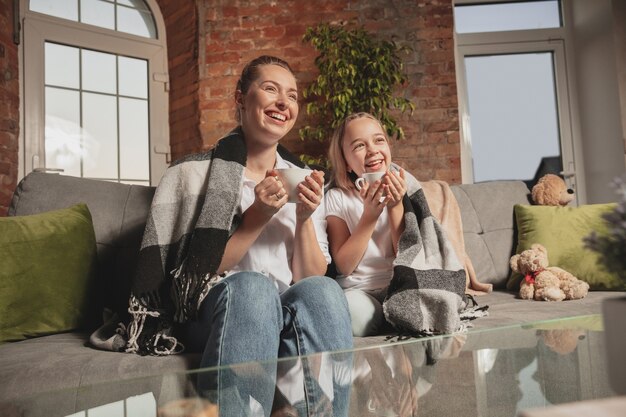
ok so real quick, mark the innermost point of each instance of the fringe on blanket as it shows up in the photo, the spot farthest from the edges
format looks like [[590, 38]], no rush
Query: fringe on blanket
[[472, 312], [160, 341], [475, 311], [188, 292]]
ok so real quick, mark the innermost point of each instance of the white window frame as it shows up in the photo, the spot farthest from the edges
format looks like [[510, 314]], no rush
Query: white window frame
[[524, 41], [38, 29]]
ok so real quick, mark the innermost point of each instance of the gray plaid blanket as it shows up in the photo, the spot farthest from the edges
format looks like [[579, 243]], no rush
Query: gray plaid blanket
[[193, 214], [427, 292]]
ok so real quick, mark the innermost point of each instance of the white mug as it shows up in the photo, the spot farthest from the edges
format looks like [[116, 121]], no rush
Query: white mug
[[368, 177], [291, 177]]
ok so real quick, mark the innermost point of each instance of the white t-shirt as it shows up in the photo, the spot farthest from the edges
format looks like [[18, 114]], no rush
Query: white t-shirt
[[272, 251], [375, 268]]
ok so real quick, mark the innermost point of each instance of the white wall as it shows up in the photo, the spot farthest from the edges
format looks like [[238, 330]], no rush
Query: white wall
[[592, 62], [619, 22]]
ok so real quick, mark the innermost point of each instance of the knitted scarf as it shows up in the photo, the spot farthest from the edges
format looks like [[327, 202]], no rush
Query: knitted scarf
[[427, 292], [193, 214]]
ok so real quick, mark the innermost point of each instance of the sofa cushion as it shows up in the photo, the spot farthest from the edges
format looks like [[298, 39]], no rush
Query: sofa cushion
[[561, 230], [46, 272], [64, 362], [488, 225], [119, 213]]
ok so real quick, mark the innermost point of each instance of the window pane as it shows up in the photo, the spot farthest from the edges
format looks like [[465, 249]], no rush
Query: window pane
[[507, 16], [61, 64], [63, 139], [100, 126], [133, 16], [137, 4], [133, 77], [98, 13], [99, 72], [65, 9], [513, 114], [134, 137], [135, 22]]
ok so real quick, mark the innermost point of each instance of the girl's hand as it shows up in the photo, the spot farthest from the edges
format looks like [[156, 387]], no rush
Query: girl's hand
[[373, 201], [310, 195], [396, 187], [269, 195]]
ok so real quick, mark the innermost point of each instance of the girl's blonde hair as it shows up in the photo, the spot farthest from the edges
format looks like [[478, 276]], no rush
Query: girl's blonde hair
[[340, 176]]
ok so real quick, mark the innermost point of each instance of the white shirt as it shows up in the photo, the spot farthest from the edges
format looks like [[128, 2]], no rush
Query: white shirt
[[375, 269], [271, 252]]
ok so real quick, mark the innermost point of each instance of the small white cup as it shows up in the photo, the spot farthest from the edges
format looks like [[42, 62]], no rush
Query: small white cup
[[368, 177], [291, 177]]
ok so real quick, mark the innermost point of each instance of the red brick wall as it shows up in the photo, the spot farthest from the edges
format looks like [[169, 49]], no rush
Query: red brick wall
[[238, 31], [237, 34], [182, 29], [432, 147], [209, 41], [9, 107]]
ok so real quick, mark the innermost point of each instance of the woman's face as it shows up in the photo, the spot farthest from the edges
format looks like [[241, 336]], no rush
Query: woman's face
[[365, 146], [269, 108]]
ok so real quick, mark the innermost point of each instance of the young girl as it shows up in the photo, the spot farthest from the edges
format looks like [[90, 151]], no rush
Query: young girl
[[364, 226]]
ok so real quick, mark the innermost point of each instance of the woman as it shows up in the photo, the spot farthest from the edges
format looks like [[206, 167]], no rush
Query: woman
[[245, 280]]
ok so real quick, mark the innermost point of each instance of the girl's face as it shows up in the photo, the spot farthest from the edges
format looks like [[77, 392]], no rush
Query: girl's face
[[270, 106], [365, 147]]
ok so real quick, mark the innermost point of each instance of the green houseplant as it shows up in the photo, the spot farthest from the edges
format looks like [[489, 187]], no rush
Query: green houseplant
[[611, 247], [357, 72]]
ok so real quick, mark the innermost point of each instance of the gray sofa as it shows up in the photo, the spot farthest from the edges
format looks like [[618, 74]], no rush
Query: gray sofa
[[119, 211]]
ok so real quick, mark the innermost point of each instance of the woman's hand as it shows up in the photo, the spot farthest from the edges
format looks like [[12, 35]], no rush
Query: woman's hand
[[396, 187], [310, 195], [269, 195]]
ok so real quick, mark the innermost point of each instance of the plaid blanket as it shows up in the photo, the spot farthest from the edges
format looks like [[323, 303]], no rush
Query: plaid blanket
[[427, 292], [193, 214]]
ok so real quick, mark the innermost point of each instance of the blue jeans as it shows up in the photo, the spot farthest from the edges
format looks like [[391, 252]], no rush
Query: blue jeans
[[245, 319]]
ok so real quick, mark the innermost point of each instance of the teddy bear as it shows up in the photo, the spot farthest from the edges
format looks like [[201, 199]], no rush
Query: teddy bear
[[543, 282], [561, 341], [551, 190]]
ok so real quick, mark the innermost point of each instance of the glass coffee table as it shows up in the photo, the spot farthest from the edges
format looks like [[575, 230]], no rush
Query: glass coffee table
[[488, 372]]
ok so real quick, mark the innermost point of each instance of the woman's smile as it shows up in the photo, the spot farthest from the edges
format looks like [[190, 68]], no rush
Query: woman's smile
[[276, 116]]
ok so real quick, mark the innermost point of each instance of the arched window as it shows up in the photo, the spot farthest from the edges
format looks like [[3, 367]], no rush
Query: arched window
[[95, 89]]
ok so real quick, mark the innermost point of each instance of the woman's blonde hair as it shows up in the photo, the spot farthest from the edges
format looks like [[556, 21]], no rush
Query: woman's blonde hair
[[340, 176]]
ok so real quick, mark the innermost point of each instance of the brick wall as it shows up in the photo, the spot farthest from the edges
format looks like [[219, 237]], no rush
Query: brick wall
[[239, 31], [233, 32], [182, 48], [432, 147], [9, 107], [209, 41]]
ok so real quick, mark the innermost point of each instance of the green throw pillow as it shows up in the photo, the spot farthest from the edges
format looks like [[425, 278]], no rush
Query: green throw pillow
[[46, 270], [561, 230]]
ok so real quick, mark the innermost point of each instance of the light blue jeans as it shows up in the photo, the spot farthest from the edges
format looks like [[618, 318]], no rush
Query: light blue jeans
[[245, 319]]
